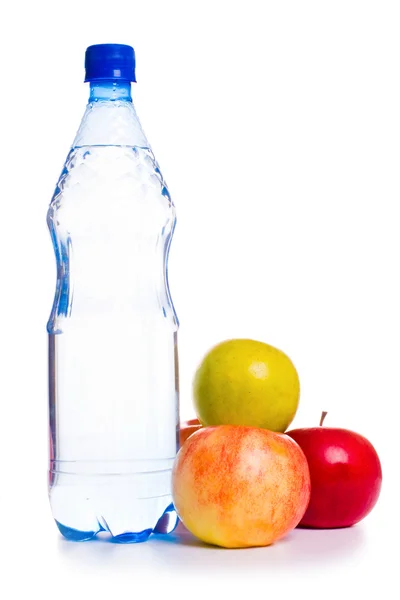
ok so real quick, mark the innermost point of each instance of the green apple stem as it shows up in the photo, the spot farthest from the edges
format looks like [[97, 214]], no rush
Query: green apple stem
[[322, 418]]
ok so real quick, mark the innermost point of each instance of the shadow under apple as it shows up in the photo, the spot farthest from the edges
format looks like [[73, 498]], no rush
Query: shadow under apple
[[181, 552]]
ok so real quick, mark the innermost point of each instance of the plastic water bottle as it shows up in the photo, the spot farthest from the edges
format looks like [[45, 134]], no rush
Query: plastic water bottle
[[113, 369]]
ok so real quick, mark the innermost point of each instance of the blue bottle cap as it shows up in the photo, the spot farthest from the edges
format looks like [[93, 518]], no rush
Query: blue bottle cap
[[110, 62]]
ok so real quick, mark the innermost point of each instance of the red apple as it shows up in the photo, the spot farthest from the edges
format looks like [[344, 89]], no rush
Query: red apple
[[236, 486], [187, 428], [346, 476]]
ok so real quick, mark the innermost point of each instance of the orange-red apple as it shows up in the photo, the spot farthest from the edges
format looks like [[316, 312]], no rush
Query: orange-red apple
[[187, 428], [237, 486]]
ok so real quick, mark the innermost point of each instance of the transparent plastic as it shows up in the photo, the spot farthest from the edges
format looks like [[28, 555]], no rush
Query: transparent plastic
[[113, 368]]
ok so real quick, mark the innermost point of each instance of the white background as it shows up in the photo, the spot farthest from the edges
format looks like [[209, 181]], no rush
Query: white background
[[276, 125]]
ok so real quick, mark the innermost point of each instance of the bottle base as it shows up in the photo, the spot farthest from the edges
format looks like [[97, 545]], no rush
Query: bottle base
[[166, 524]]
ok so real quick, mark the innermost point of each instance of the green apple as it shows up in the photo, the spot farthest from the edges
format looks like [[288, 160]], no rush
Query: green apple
[[246, 382]]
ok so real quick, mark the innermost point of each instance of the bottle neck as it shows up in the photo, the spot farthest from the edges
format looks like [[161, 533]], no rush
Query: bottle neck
[[110, 91], [110, 118]]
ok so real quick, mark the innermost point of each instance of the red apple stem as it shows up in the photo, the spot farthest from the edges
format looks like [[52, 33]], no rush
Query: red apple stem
[[324, 413]]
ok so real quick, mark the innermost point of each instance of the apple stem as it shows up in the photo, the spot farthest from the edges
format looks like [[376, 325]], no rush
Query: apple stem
[[322, 418]]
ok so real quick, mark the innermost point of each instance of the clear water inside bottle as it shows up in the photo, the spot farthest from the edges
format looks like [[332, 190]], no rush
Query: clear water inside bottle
[[113, 370]]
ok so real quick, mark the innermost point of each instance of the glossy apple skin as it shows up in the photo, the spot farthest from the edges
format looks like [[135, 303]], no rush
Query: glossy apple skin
[[238, 487], [346, 476]]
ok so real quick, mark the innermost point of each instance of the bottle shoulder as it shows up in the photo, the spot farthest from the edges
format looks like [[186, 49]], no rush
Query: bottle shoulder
[[110, 123], [112, 180]]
